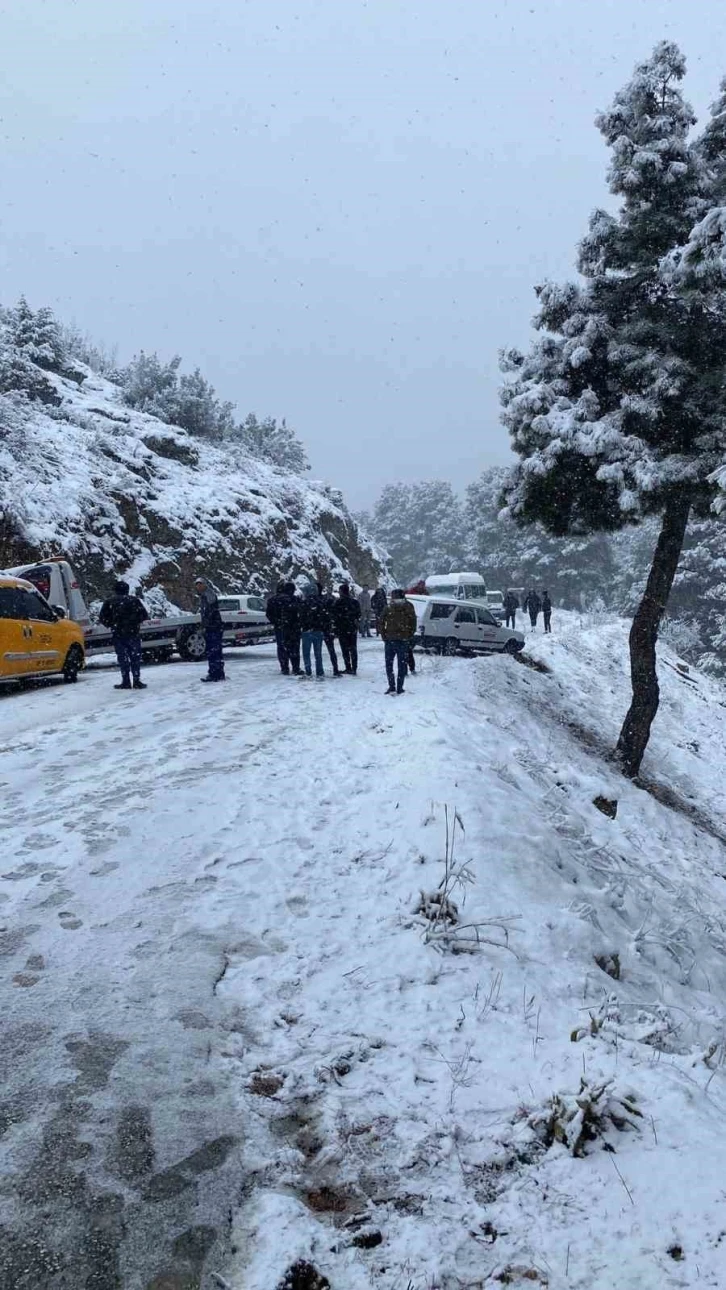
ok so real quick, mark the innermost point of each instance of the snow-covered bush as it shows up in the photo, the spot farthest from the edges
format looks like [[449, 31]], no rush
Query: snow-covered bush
[[579, 1120]]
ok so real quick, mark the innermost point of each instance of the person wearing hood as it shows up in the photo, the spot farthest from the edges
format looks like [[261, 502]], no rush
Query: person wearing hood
[[315, 625], [212, 627], [124, 614]]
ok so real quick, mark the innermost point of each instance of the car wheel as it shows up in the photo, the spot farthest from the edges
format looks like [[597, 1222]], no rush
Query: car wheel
[[72, 665], [192, 645], [450, 646], [512, 647]]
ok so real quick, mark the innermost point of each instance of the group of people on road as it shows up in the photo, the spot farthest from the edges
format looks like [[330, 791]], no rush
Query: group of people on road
[[304, 624], [533, 604]]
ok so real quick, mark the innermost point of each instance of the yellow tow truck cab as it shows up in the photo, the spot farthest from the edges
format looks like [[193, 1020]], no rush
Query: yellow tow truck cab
[[35, 638]]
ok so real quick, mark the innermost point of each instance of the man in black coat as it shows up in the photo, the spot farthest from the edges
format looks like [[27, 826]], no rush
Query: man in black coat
[[330, 603], [547, 611], [213, 629], [379, 600], [290, 625], [274, 610], [346, 616], [511, 605], [533, 604], [124, 614]]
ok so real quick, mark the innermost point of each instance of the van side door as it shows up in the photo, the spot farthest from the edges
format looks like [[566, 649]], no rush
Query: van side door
[[43, 635], [14, 635]]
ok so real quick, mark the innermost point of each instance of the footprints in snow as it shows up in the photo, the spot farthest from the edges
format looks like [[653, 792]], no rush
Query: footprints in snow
[[34, 966], [68, 921]]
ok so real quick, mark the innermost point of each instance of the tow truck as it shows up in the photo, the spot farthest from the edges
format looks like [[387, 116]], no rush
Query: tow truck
[[244, 617]]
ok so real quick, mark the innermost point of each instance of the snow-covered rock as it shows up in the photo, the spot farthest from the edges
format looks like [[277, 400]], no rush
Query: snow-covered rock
[[119, 491]]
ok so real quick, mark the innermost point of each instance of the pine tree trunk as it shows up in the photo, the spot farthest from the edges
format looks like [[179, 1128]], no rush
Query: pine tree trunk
[[634, 736]]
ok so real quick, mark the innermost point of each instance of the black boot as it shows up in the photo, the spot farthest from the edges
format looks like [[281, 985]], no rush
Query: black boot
[[123, 685], [139, 684]]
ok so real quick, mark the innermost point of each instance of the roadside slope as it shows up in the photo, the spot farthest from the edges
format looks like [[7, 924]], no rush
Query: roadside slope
[[398, 1094]]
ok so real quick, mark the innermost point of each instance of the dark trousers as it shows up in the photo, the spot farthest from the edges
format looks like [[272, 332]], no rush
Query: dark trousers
[[215, 660], [533, 617], [283, 653], [313, 641], [548, 621], [128, 653], [411, 661], [511, 619], [396, 650], [349, 650], [291, 646], [365, 625], [330, 646]]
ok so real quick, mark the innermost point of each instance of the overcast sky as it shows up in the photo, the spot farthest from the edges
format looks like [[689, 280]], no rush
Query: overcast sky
[[336, 208]]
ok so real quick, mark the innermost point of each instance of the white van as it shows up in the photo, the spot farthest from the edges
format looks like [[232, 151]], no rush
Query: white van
[[445, 625], [464, 586]]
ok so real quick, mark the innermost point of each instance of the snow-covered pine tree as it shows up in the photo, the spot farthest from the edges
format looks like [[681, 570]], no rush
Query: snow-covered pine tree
[[617, 412], [421, 526], [273, 441], [37, 335]]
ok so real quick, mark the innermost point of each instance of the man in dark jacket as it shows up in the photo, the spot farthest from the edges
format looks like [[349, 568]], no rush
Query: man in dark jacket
[[124, 614], [289, 615], [533, 604], [511, 605], [398, 628], [315, 625], [379, 600], [329, 601], [213, 630], [547, 611], [346, 616], [274, 610]]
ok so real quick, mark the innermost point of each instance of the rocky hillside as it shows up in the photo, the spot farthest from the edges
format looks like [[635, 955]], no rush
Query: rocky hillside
[[120, 492]]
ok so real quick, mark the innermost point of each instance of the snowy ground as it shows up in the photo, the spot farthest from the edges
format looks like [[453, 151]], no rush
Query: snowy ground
[[219, 996]]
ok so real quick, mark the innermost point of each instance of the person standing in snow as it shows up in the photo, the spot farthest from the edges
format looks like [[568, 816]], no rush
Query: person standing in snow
[[212, 625], [533, 604], [379, 600], [315, 625], [124, 614], [547, 611], [273, 609], [346, 616], [364, 600], [511, 605], [290, 626], [398, 628], [329, 601]]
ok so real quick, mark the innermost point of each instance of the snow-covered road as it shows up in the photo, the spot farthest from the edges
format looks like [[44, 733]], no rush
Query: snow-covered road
[[228, 1047]]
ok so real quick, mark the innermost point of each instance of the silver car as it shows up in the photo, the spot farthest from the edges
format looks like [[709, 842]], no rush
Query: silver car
[[448, 626]]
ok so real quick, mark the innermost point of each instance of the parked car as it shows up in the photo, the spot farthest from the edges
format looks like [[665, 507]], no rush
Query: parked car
[[36, 639], [245, 622], [447, 626]]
